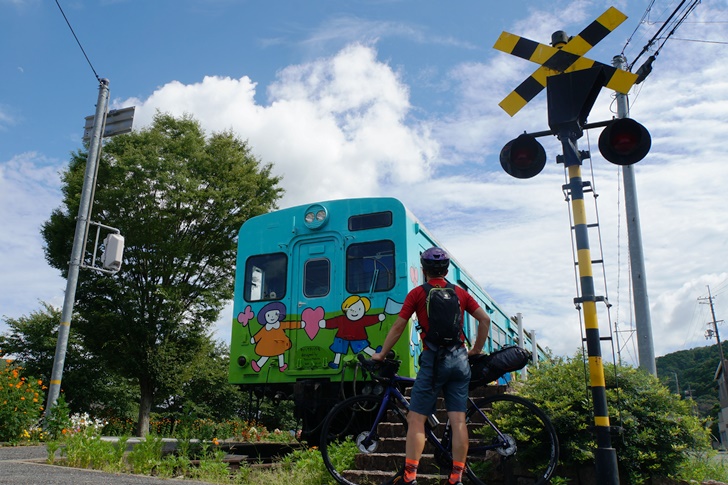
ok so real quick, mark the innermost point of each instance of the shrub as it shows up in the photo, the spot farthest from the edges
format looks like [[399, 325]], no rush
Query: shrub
[[146, 455], [58, 421], [658, 429], [21, 402]]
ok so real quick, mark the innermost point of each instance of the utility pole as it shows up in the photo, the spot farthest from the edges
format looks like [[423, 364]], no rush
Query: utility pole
[[677, 384], [645, 347], [717, 337], [82, 221]]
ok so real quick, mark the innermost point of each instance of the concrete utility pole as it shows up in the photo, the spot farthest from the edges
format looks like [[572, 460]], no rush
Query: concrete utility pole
[[82, 222], [645, 347], [717, 337]]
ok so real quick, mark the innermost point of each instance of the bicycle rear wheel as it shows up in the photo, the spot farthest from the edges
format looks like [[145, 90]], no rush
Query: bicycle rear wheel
[[360, 449], [518, 445]]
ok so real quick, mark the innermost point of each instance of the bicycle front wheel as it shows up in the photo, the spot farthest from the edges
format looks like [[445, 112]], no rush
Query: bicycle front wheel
[[511, 441], [360, 445]]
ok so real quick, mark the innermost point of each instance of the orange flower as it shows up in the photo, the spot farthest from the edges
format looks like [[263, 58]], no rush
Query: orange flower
[[40, 382]]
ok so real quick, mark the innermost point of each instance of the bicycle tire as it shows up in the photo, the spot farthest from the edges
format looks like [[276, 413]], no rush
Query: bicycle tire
[[532, 450], [342, 435]]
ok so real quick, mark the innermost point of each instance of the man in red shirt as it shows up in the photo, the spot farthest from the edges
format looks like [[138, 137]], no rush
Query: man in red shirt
[[443, 369]]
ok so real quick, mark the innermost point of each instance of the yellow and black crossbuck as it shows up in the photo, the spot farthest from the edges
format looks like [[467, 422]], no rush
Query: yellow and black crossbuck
[[567, 58]]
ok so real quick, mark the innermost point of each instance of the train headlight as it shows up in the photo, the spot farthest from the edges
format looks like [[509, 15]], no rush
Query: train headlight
[[316, 216]]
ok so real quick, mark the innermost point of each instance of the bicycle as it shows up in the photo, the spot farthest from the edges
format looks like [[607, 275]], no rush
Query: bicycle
[[511, 439]]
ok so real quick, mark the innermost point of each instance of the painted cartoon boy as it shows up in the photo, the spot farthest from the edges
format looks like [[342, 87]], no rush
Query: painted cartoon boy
[[351, 328]]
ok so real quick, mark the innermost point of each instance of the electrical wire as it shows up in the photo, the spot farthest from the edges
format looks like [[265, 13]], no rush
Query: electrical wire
[[78, 42], [642, 20], [669, 25], [703, 41]]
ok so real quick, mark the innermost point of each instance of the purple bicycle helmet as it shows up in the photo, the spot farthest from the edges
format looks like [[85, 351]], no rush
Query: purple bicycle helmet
[[435, 261]]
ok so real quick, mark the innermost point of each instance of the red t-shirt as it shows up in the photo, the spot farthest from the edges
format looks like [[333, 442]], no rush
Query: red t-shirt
[[416, 302]]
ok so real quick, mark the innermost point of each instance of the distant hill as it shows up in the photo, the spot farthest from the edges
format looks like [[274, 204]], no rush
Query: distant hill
[[693, 371]]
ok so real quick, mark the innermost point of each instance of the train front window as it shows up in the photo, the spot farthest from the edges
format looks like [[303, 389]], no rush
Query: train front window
[[265, 277], [316, 278], [370, 267]]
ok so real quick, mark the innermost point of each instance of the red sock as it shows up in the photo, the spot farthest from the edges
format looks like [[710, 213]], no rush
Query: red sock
[[457, 472], [410, 469]]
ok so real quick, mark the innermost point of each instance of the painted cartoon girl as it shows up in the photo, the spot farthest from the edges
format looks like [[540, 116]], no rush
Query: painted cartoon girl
[[351, 328], [271, 340]]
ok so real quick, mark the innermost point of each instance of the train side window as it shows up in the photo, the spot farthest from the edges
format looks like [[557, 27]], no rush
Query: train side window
[[370, 221], [370, 267], [265, 277], [316, 278]]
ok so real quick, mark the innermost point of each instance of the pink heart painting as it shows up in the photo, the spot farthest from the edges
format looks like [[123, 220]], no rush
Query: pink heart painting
[[414, 275], [311, 317]]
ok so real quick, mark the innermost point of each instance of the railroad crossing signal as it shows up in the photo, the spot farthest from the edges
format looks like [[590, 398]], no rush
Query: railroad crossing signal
[[573, 83], [562, 58]]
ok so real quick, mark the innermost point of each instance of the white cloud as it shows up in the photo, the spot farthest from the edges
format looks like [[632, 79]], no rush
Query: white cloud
[[29, 191], [351, 29], [335, 127], [514, 235], [343, 126]]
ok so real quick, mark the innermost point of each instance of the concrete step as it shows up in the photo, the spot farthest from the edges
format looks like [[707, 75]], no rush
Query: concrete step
[[377, 467]]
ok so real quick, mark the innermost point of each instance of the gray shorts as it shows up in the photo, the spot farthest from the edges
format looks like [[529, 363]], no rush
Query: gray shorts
[[448, 371]]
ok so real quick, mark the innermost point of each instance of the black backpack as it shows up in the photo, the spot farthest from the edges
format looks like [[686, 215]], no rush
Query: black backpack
[[443, 316]]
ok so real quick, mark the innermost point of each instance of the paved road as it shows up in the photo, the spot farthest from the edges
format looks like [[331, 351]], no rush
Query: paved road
[[25, 465]]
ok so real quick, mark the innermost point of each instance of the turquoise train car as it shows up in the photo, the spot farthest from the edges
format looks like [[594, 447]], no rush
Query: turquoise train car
[[317, 284]]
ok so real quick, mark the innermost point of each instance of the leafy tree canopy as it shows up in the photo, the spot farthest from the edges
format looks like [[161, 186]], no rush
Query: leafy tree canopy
[[179, 199]]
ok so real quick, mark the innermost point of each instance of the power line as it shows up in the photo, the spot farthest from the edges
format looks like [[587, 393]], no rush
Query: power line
[[78, 41], [671, 24], [703, 41]]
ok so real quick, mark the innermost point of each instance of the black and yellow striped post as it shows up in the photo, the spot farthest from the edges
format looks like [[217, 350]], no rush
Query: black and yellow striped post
[[607, 470]]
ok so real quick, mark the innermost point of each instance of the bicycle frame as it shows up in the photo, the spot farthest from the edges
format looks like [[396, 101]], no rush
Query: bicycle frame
[[498, 451], [392, 392]]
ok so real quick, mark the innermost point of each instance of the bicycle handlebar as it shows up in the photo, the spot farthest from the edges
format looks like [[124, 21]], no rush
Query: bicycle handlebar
[[377, 368]]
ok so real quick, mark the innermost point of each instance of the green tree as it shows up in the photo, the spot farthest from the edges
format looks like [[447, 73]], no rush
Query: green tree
[[179, 198], [207, 392], [658, 428], [691, 373], [87, 384]]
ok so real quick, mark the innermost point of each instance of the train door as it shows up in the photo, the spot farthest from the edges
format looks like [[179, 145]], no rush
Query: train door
[[317, 288]]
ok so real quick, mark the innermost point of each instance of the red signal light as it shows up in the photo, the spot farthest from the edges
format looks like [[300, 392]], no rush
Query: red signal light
[[624, 141], [523, 157]]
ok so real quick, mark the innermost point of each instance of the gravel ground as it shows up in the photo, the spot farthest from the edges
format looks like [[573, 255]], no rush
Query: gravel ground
[[25, 465]]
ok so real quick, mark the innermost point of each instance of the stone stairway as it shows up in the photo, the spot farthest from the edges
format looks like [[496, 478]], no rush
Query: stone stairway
[[390, 452]]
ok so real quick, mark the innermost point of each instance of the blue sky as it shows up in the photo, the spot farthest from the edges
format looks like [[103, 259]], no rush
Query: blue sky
[[396, 98]]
